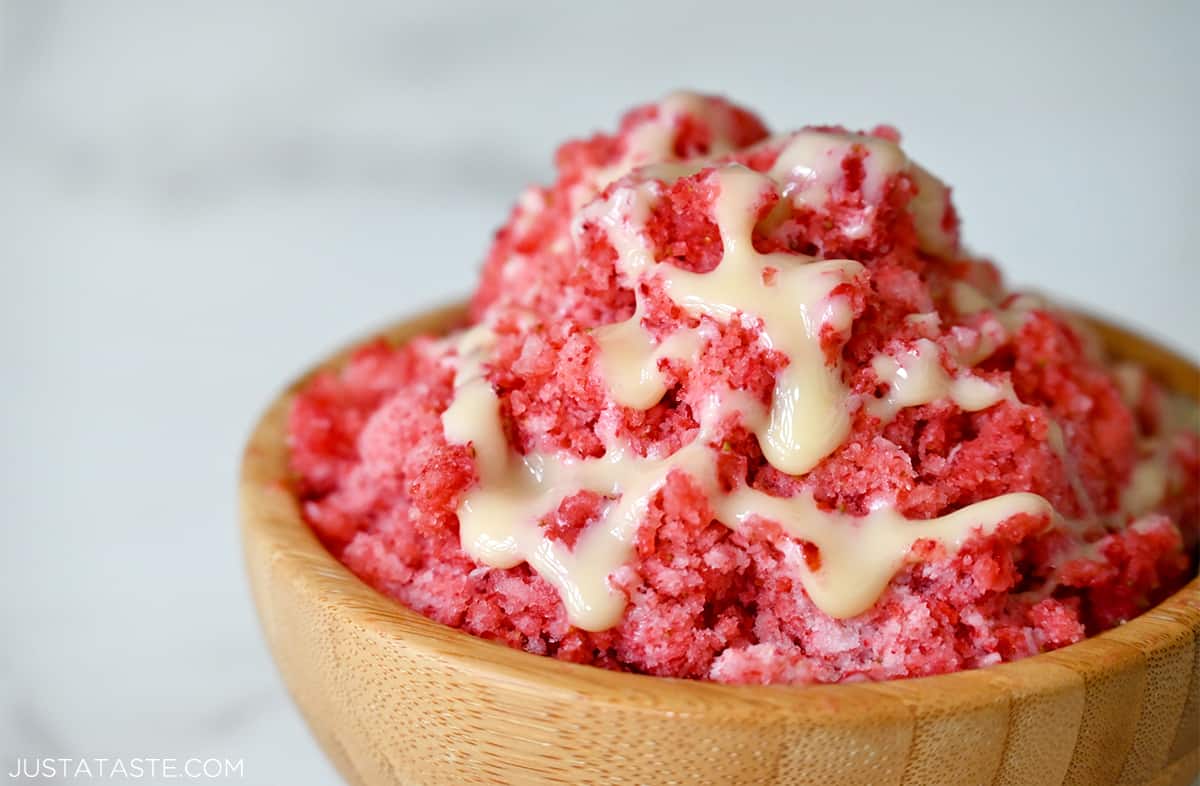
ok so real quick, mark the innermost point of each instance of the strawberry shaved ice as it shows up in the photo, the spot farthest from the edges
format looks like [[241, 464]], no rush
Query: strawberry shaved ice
[[739, 407]]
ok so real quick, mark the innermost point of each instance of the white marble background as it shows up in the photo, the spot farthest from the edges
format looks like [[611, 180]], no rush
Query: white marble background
[[199, 197]]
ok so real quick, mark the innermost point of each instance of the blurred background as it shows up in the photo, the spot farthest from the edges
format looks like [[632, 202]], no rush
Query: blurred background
[[198, 198]]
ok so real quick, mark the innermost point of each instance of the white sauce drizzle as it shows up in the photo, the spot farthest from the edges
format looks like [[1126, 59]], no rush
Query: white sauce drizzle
[[498, 519], [967, 299], [630, 360], [653, 141], [1147, 485], [1058, 444], [810, 165], [1017, 312], [807, 419], [860, 555], [809, 416], [917, 377]]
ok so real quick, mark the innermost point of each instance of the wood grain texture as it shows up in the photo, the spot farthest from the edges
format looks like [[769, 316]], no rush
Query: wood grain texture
[[394, 698]]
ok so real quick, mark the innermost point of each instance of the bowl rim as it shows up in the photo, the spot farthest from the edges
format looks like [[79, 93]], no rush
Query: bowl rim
[[271, 520]]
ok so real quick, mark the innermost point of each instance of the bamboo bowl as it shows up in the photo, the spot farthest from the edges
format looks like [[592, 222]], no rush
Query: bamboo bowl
[[396, 698]]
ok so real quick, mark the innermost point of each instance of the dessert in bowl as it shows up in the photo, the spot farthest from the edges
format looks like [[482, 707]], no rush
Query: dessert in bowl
[[736, 408]]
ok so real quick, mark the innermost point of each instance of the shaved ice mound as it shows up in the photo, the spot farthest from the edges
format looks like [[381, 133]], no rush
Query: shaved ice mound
[[737, 406]]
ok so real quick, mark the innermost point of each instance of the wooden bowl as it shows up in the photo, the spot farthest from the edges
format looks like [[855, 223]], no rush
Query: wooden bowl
[[396, 698]]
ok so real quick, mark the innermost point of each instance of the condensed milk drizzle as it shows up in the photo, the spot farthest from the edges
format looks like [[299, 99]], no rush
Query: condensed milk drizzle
[[793, 299]]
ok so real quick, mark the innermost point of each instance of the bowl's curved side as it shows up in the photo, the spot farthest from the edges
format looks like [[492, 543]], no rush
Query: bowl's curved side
[[396, 698]]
